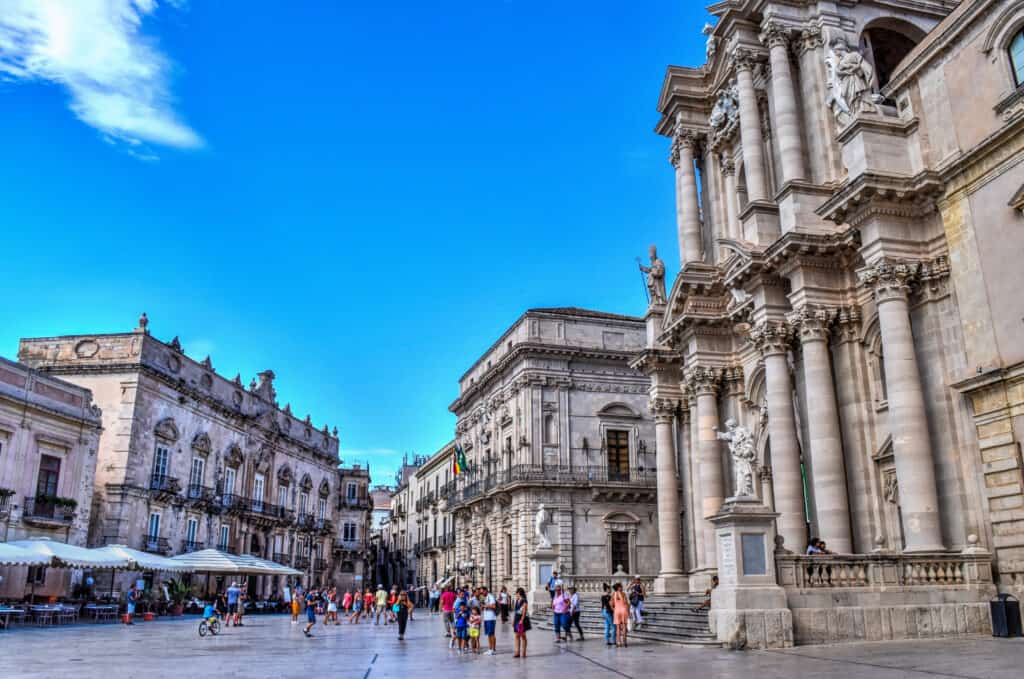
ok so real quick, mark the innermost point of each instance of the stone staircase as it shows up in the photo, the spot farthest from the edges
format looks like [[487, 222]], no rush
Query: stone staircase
[[666, 619]]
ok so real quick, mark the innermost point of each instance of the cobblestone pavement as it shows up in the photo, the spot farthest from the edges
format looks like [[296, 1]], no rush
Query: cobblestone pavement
[[270, 646]]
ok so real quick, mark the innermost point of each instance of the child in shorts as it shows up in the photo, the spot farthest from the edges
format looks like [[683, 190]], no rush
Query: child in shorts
[[462, 627], [474, 630]]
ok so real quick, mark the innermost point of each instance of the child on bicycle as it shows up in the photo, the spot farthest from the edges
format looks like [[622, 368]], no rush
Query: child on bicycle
[[209, 612]]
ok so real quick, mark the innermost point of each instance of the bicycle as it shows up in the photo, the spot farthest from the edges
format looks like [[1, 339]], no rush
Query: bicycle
[[211, 626]]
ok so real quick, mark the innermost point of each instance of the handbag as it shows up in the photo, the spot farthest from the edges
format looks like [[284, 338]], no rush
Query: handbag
[[527, 625]]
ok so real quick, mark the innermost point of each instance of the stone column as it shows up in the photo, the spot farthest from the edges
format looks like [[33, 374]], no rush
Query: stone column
[[696, 494], [750, 126], [787, 118], [687, 203], [828, 469], [772, 338], [732, 222], [912, 452], [705, 384], [670, 578]]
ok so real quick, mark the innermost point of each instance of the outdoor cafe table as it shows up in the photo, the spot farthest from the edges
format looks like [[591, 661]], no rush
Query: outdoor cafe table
[[6, 612], [100, 612]]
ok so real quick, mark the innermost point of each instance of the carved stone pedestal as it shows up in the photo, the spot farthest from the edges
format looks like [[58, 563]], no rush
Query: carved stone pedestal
[[543, 562], [748, 608]]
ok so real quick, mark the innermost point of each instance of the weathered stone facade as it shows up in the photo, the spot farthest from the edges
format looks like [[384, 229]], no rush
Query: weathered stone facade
[[553, 414], [351, 546], [49, 435], [190, 459], [849, 184]]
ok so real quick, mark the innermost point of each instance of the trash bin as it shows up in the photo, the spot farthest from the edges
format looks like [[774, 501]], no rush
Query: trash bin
[[1005, 616]]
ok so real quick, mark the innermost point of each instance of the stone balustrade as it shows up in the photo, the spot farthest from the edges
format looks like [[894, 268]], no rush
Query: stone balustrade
[[593, 584], [880, 571]]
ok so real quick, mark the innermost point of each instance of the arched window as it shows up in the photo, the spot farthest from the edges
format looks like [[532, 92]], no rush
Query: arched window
[[1016, 51]]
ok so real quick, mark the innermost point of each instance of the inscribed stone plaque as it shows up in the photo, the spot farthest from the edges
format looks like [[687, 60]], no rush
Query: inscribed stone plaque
[[753, 554], [728, 562]]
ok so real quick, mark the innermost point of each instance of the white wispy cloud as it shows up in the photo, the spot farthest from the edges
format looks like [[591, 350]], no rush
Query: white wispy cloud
[[117, 78]]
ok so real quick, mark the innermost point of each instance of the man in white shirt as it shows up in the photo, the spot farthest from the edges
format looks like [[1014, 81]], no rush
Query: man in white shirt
[[490, 618]]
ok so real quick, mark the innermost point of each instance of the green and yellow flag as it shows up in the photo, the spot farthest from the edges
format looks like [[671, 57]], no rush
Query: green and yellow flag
[[458, 461]]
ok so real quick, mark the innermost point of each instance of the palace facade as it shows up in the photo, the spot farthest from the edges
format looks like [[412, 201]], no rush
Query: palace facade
[[190, 459], [849, 186]]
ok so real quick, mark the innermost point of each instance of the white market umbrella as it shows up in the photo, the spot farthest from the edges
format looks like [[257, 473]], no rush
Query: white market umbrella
[[210, 561], [70, 556], [11, 555], [266, 567], [144, 561]]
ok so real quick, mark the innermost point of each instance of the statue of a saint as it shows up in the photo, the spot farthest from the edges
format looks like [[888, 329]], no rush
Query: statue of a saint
[[655, 278], [711, 46], [744, 457], [850, 79], [540, 521]]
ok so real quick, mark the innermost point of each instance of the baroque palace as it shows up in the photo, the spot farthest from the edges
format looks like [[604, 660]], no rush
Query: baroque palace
[[187, 459]]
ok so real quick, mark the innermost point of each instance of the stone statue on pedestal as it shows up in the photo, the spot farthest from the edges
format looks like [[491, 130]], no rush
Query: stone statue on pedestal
[[655, 278], [850, 79], [540, 521], [744, 457]]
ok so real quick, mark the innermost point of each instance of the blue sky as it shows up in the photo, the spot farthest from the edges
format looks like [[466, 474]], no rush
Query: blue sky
[[360, 196]]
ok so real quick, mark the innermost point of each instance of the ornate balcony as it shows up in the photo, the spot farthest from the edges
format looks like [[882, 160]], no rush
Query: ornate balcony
[[48, 511], [323, 526], [281, 558], [301, 563], [191, 546], [5, 502], [354, 503], [164, 487], [305, 522], [156, 545], [234, 504], [608, 483]]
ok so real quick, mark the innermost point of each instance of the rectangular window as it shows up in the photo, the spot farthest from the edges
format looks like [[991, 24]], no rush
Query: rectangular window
[[348, 533], [49, 475], [303, 502], [191, 529], [195, 475], [620, 551], [617, 445], [229, 480], [350, 491], [282, 496], [225, 535], [160, 462], [322, 509], [257, 492], [154, 526]]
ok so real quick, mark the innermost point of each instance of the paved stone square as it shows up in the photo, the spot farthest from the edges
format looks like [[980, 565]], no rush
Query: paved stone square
[[272, 647]]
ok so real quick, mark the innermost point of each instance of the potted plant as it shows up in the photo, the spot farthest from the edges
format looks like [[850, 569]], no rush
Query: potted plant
[[179, 593]]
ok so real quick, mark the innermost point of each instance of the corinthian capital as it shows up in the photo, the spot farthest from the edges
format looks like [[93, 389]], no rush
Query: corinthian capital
[[889, 279], [775, 34], [743, 59], [663, 409], [810, 39], [772, 337], [811, 322], [704, 380], [683, 139]]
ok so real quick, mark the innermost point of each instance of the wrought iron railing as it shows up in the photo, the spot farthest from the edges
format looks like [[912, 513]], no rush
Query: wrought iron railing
[[164, 484], [156, 544], [577, 475], [49, 508], [304, 521], [301, 562], [192, 546], [282, 558], [197, 491]]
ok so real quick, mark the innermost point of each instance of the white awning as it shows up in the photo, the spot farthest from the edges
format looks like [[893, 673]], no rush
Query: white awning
[[268, 567], [11, 555], [144, 561], [210, 561], [70, 556], [216, 561]]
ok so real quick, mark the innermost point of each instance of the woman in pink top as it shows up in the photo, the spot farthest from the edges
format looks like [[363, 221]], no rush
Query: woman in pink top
[[346, 602]]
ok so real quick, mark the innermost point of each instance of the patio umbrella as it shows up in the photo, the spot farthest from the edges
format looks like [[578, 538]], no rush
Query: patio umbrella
[[70, 556], [63, 555], [266, 567], [11, 555], [144, 561]]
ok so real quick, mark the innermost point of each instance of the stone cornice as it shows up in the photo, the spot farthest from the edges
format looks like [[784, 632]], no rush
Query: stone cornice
[[652, 360], [871, 194], [791, 248]]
